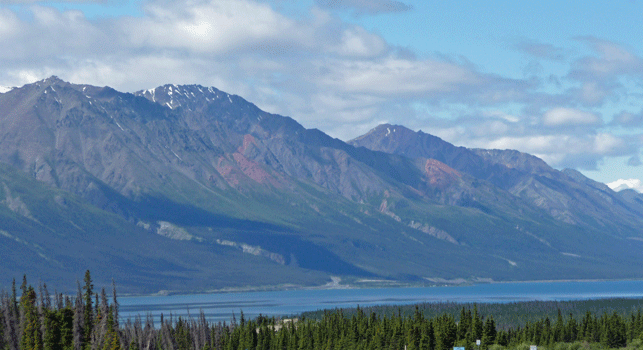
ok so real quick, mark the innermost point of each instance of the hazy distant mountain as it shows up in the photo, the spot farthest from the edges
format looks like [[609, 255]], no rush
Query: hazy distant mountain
[[202, 189]]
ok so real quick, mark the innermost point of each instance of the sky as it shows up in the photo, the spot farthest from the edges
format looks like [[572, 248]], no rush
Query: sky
[[560, 80]]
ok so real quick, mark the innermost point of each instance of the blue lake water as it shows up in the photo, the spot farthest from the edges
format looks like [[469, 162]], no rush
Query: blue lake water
[[221, 306]]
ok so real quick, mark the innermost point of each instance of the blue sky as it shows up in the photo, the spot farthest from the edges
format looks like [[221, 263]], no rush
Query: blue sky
[[561, 80]]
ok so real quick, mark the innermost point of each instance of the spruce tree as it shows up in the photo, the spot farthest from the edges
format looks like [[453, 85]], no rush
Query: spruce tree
[[31, 337], [489, 332], [51, 321], [476, 323], [464, 325], [559, 328]]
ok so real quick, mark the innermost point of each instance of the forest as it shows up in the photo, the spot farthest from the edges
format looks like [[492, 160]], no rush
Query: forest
[[90, 321]]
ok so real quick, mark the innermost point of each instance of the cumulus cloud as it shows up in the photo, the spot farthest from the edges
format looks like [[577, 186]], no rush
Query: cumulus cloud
[[9, 23], [394, 76], [209, 26], [51, 37], [622, 184], [330, 74], [569, 116], [237, 27], [601, 76], [613, 59]]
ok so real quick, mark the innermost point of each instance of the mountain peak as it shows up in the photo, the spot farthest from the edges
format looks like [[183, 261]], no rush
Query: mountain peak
[[401, 140], [192, 97], [51, 84], [51, 81], [385, 130]]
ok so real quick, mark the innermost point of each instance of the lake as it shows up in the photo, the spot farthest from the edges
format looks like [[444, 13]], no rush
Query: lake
[[221, 306]]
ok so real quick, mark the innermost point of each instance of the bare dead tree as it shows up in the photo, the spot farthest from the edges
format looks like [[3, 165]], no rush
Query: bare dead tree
[[79, 312], [9, 322]]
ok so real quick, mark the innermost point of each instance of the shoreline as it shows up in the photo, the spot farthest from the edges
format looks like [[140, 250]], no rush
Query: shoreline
[[368, 284]]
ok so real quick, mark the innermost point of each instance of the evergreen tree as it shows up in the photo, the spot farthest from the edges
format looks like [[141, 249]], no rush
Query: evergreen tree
[[445, 332], [489, 332], [464, 325], [53, 327], [502, 338], [476, 325], [66, 323], [112, 340], [571, 330], [559, 328], [614, 333], [546, 334], [31, 337], [427, 341]]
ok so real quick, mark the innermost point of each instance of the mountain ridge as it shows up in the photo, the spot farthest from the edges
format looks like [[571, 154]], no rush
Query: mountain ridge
[[521, 174], [207, 172]]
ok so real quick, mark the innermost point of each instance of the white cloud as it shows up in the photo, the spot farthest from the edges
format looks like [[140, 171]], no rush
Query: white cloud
[[608, 144], [541, 144], [358, 42], [569, 116], [227, 27], [613, 59], [395, 76], [621, 184], [558, 150], [9, 23], [502, 115], [208, 26]]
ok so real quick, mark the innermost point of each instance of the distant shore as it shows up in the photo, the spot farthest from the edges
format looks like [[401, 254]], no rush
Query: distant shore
[[336, 283]]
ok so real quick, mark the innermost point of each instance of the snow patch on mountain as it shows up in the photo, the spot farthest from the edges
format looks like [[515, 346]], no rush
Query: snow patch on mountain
[[4, 89], [621, 184]]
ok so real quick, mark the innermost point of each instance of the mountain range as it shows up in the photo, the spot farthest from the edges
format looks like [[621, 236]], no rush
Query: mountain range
[[188, 188]]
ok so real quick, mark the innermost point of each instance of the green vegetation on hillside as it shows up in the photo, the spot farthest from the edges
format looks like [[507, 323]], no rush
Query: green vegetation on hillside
[[506, 315]]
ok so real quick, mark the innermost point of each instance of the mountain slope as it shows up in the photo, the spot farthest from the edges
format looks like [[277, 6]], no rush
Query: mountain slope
[[229, 195], [567, 196]]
